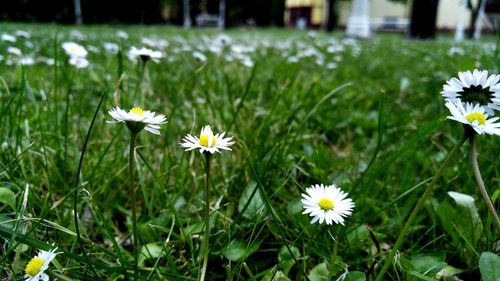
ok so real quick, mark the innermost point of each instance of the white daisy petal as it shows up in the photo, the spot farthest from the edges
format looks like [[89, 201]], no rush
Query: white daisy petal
[[207, 142], [475, 116], [149, 120], [474, 87], [327, 204]]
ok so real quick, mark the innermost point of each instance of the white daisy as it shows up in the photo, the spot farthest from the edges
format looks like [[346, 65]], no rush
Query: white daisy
[[327, 204], [74, 50], [207, 141], [78, 62], [35, 269], [474, 116], [476, 88], [138, 119], [145, 54]]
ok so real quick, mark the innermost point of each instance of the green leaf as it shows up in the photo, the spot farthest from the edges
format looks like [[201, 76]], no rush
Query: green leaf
[[319, 273], [279, 276], [420, 276], [285, 258], [489, 265], [468, 221], [238, 249], [428, 265], [355, 276], [252, 197], [448, 273], [150, 251], [8, 197]]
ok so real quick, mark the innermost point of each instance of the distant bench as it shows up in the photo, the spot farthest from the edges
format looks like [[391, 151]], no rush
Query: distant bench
[[389, 24]]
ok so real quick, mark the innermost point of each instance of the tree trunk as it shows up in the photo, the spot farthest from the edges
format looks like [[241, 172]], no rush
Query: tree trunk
[[473, 18], [186, 14], [331, 15], [423, 19]]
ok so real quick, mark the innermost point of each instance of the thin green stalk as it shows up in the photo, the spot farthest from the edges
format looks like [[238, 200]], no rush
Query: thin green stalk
[[77, 189], [333, 257], [416, 209], [480, 183], [135, 245], [207, 217]]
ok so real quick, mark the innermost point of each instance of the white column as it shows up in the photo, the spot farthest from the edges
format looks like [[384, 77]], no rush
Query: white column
[[78, 12], [459, 31], [358, 25], [222, 14], [479, 21], [187, 18]]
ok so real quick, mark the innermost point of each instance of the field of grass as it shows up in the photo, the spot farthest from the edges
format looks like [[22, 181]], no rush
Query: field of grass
[[303, 109]]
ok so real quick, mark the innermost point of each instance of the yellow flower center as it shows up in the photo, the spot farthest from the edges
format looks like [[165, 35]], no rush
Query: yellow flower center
[[34, 266], [204, 140], [326, 204], [137, 111], [476, 116]]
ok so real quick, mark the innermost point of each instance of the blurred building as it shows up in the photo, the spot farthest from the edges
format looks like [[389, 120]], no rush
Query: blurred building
[[384, 14]]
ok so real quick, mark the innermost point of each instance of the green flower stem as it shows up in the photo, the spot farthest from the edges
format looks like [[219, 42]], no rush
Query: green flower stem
[[333, 258], [480, 183], [135, 245], [416, 209], [207, 217], [141, 82]]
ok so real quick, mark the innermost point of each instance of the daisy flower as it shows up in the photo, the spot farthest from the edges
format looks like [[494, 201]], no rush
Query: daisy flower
[[138, 119], [74, 50], [474, 87], [35, 269], [474, 116], [207, 141], [145, 54], [327, 204]]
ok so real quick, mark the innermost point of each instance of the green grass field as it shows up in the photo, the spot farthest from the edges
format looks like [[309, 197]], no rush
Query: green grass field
[[303, 108]]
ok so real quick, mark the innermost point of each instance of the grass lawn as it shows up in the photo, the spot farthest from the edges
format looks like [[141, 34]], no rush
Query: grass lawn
[[303, 108]]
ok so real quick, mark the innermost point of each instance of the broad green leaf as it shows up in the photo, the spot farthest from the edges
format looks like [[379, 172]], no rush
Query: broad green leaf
[[420, 276], [7, 197], [285, 258], [428, 265], [448, 273], [319, 273], [255, 202], [469, 221], [489, 265], [150, 251], [271, 276], [355, 276], [238, 249]]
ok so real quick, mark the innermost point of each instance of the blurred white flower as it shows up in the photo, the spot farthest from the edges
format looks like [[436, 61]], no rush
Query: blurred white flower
[[77, 35], [199, 56], [22, 33], [27, 60], [144, 54], [74, 50], [8, 38], [111, 47], [14, 51], [456, 51], [122, 34], [78, 62]]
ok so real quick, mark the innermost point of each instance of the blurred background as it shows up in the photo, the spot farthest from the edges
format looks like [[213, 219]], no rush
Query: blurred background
[[418, 19]]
